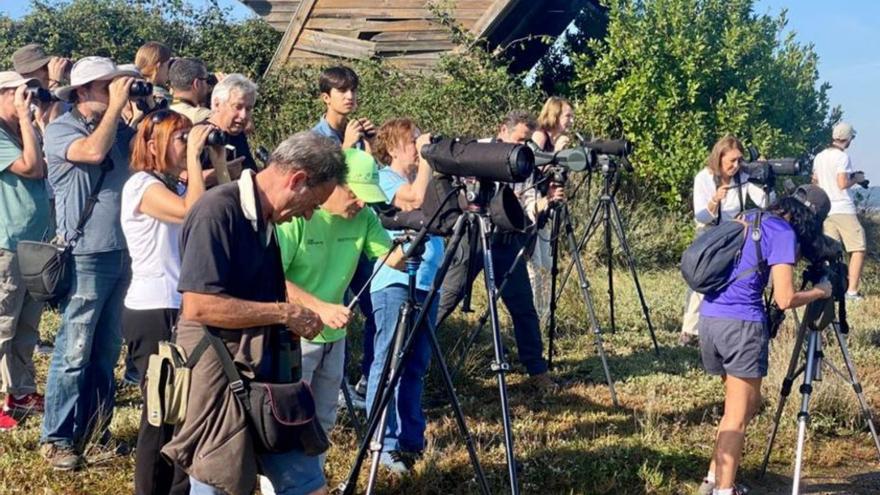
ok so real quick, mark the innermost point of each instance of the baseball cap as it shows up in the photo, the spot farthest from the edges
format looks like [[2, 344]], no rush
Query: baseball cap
[[29, 58], [363, 176], [10, 79], [814, 198], [843, 131], [89, 69]]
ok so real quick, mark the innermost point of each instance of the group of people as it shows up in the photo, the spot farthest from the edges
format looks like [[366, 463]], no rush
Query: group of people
[[188, 236], [730, 327]]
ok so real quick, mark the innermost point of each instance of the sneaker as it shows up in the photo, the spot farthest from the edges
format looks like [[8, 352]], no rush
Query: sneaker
[[854, 296], [361, 388], [688, 340], [542, 383], [44, 347], [30, 403], [7, 422], [707, 486], [396, 462], [61, 457], [357, 402]]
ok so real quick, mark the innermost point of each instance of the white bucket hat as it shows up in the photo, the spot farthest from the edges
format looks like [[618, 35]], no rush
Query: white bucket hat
[[10, 79], [89, 69]]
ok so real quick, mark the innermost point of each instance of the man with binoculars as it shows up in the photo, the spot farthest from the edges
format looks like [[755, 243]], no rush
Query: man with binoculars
[[87, 154]]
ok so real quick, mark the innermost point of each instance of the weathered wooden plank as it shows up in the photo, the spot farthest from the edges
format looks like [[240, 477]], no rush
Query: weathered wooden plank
[[437, 35], [492, 16], [291, 34], [370, 13], [397, 4], [413, 46], [304, 55], [331, 44], [263, 7], [361, 24]]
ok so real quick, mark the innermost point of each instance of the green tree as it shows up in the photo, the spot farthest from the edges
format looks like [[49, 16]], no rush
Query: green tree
[[675, 75], [117, 28]]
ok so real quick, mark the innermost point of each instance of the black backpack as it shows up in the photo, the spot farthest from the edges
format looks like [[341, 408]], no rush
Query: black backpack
[[707, 264]]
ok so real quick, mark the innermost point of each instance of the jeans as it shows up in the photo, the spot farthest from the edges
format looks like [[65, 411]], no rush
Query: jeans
[[405, 429], [80, 386], [517, 297], [290, 473]]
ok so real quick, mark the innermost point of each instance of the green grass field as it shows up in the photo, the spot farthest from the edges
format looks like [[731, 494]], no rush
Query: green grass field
[[658, 441]]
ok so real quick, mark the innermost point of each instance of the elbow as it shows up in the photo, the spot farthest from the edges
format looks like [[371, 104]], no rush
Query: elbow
[[192, 308], [784, 302]]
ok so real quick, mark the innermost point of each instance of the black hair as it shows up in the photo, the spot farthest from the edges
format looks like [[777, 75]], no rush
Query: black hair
[[340, 77], [802, 220], [184, 71]]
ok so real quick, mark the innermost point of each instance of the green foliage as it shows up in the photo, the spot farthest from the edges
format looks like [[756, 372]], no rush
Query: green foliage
[[675, 75], [117, 28]]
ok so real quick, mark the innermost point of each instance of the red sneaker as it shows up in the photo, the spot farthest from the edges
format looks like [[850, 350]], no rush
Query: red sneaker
[[7, 422], [30, 403]]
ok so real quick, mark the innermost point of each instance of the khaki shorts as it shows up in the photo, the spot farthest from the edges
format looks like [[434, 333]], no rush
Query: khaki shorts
[[847, 229]]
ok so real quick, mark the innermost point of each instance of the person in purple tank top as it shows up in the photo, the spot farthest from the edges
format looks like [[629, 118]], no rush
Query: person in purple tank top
[[734, 338]]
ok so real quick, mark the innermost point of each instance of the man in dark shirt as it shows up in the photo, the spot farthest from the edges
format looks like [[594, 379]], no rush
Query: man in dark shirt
[[233, 284], [232, 106]]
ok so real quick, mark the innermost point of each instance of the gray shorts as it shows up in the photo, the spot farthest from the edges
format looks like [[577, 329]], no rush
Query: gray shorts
[[734, 347]]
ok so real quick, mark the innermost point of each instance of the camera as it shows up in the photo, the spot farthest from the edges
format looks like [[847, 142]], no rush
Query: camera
[[606, 154], [863, 182], [764, 172], [216, 138], [140, 89], [40, 94], [500, 162]]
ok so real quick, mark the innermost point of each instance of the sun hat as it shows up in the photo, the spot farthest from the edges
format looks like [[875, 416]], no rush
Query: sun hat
[[89, 69]]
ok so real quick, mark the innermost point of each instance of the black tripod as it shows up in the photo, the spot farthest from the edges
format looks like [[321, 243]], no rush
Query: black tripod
[[561, 225], [611, 222], [818, 316], [475, 220]]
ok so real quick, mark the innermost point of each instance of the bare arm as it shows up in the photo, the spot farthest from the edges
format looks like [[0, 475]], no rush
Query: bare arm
[[30, 164], [784, 293], [231, 313], [93, 148]]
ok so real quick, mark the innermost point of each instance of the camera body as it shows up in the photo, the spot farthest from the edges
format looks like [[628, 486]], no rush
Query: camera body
[[217, 138], [765, 172]]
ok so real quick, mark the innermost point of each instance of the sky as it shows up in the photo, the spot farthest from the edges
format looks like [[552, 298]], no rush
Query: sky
[[845, 35]]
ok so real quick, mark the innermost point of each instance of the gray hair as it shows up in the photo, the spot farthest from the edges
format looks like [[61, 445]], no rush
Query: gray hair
[[233, 82], [184, 71], [320, 157], [515, 117]]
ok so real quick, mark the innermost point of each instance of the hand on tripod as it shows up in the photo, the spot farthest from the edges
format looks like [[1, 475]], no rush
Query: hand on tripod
[[333, 315], [556, 193]]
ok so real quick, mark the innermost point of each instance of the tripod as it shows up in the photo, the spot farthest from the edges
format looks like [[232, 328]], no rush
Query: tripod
[[611, 223], [476, 221], [817, 317]]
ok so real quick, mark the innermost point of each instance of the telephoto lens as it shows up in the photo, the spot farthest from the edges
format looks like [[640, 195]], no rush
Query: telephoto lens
[[41, 94], [140, 89]]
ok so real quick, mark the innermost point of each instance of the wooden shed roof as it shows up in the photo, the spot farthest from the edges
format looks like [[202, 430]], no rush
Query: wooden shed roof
[[408, 32]]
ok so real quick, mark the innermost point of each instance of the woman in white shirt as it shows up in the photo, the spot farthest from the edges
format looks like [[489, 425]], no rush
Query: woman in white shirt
[[721, 192], [166, 181]]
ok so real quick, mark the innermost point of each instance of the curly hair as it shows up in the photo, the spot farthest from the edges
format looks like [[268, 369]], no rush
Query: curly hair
[[801, 218], [391, 135]]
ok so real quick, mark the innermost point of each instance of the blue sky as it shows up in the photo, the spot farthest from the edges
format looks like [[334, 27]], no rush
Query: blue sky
[[845, 35]]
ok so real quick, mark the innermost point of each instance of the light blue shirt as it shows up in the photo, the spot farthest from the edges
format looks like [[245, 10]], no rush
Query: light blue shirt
[[390, 182], [323, 128]]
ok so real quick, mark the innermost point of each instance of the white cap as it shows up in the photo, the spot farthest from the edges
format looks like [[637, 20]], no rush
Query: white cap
[[10, 79], [89, 69], [843, 131]]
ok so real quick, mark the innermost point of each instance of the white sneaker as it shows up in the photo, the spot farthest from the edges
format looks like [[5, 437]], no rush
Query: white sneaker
[[393, 462]]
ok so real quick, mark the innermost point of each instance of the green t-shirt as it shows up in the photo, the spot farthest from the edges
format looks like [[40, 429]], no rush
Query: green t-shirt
[[320, 255], [24, 203]]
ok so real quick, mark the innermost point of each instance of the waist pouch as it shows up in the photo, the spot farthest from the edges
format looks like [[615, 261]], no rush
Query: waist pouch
[[281, 415], [168, 382]]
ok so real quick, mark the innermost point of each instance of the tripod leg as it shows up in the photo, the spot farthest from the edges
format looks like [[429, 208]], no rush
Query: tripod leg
[[606, 220], [592, 226], [591, 310], [349, 404], [857, 387], [804, 414], [785, 391], [631, 262], [500, 366], [554, 270]]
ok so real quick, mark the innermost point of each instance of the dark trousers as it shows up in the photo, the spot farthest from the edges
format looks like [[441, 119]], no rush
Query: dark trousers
[[361, 275], [517, 295], [153, 474]]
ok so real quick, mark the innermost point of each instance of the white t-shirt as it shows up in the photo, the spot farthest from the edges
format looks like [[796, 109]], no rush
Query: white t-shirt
[[826, 166], [154, 249], [704, 190]]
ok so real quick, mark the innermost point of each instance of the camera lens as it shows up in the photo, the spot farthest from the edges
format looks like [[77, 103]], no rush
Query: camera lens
[[216, 138], [41, 94]]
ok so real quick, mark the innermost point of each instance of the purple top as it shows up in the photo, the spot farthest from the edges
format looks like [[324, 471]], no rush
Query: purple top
[[742, 299]]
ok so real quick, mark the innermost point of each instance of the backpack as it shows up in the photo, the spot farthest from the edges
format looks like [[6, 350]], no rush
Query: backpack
[[708, 263]]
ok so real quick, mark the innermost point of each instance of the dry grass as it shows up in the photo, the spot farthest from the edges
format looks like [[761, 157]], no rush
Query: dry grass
[[657, 442]]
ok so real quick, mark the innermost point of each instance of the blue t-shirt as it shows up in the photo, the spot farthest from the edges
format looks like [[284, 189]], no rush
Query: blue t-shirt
[[73, 182], [323, 128], [742, 299], [390, 182], [24, 202]]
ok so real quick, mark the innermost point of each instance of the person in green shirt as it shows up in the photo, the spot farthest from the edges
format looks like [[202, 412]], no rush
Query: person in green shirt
[[320, 256]]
